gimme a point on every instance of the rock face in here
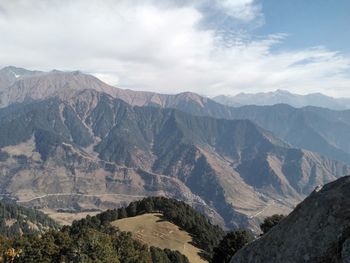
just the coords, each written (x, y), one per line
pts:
(89, 150)
(318, 230)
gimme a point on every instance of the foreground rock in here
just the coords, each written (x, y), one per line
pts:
(318, 230)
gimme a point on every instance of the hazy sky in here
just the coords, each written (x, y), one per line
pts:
(206, 46)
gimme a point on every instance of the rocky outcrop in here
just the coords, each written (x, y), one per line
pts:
(318, 230)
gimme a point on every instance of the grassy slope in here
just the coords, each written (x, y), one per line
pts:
(65, 218)
(154, 231)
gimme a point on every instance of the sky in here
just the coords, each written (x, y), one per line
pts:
(210, 47)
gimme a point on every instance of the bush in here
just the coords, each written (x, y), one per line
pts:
(270, 222)
(230, 244)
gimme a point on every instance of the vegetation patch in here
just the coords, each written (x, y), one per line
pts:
(154, 230)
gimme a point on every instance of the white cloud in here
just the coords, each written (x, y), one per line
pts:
(245, 10)
(163, 46)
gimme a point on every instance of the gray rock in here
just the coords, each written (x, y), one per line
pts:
(311, 233)
(345, 253)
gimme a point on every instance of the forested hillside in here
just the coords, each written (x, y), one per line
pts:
(94, 239)
(205, 235)
(17, 220)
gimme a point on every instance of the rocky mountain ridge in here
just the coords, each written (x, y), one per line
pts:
(315, 129)
(92, 151)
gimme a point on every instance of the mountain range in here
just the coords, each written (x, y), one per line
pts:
(70, 141)
(316, 129)
(284, 97)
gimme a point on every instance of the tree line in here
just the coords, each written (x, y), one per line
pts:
(94, 239)
(16, 220)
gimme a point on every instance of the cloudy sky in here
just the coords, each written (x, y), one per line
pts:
(207, 46)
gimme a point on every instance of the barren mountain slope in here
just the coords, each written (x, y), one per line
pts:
(92, 151)
(315, 129)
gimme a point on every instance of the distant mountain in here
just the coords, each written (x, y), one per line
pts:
(10, 75)
(318, 230)
(17, 220)
(93, 151)
(41, 85)
(285, 97)
(315, 129)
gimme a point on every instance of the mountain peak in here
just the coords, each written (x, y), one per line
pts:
(11, 68)
(10, 74)
(17, 71)
(19, 84)
(73, 72)
(281, 91)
